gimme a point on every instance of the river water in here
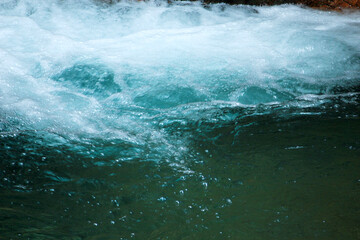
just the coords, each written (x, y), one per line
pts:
(178, 121)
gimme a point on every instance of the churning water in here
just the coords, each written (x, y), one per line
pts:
(151, 120)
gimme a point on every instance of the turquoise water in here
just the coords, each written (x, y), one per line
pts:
(178, 121)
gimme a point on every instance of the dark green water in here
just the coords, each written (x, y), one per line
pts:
(287, 178)
(158, 121)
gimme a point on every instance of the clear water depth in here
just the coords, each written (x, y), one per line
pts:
(150, 120)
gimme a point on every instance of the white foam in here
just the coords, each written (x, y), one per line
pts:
(217, 52)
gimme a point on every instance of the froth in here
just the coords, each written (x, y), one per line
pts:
(104, 69)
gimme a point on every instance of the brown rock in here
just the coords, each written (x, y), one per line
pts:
(337, 4)
(319, 4)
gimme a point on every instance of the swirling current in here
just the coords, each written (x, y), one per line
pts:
(178, 120)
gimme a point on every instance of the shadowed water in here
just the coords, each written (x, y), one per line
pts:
(178, 121)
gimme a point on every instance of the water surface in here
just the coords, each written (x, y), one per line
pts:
(178, 121)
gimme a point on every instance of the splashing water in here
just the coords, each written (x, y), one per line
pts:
(175, 111)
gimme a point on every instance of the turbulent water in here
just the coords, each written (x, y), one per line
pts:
(151, 120)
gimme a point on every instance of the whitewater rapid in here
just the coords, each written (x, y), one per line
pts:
(136, 72)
